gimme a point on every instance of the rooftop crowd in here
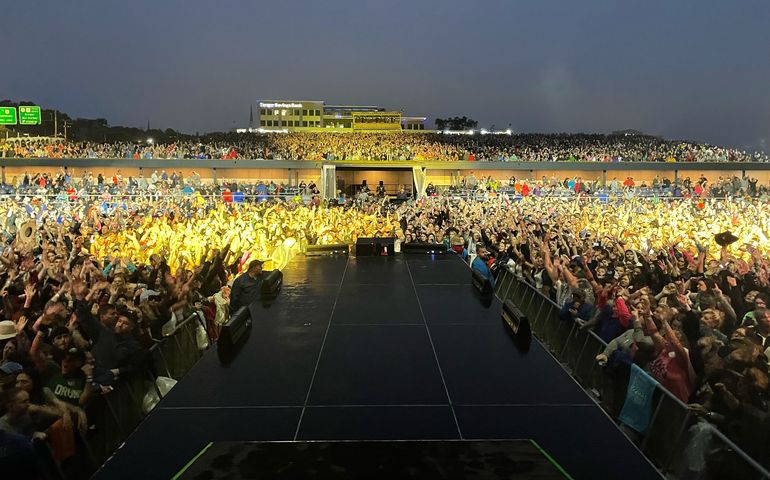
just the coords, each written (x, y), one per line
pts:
(88, 283)
(396, 146)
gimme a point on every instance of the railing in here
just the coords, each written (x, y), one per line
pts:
(444, 191)
(602, 195)
(119, 412)
(677, 441)
(146, 195)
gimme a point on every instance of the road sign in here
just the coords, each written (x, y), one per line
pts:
(29, 115)
(7, 115)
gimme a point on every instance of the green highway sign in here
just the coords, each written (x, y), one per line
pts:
(7, 115)
(29, 115)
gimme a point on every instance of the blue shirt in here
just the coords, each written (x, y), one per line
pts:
(480, 265)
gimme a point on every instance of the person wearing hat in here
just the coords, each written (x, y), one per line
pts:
(7, 331)
(247, 287)
(7, 341)
(59, 337)
(71, 382)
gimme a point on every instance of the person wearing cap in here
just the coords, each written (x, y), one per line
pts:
(247, 287)
(60, 339)
(114, 348)
(11, 368)
(71, 382)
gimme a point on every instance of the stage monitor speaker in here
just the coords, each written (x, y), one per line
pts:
(481, 283)
(434, 248)
(272, 283)
(518, 325)
(233, 334)
(377, 246)
(318, 250)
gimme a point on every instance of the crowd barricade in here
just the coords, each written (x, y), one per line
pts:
(676, 441)
(116, 414)
(147, 195)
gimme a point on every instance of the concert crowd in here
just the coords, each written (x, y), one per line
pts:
(395, 146)
(678, 287)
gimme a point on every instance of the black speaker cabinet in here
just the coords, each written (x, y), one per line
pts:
(482, 284)
(431, 248)
(518, 325)
(233, 334)
(272, 283)
(318, 250)
(378, 246)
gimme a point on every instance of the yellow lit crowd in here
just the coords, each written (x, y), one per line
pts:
(277, 232)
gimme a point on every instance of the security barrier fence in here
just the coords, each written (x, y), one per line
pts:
(677, 441)
(116, 414)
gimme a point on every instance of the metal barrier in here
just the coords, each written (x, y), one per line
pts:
(677, 441)
(119, 412)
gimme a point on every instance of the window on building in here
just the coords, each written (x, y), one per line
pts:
(262, 123)
(304, 112)
(262, 111)
(317, 113)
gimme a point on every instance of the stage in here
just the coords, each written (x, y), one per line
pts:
(380, 348)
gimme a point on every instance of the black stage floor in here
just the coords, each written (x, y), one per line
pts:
(374, 460)
(379, 348)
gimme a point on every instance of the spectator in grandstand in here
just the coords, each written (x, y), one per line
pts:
(398, 146)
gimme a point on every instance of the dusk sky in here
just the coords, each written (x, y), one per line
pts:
(696, 70)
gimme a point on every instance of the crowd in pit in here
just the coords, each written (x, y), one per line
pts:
(679, 287)
(357, 146)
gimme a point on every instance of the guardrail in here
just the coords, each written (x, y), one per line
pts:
(444, 191)
(677, 441)
(146, 195)
(119, 412)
